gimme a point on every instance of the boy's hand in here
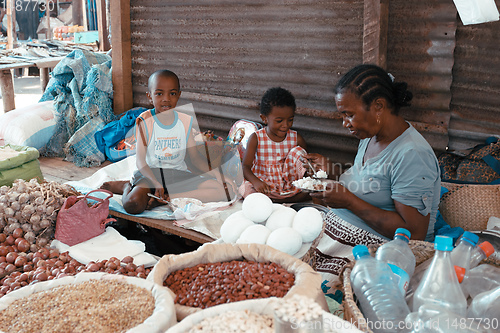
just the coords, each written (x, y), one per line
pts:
(262, 187)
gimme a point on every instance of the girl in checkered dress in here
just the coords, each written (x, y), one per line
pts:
(272, 159)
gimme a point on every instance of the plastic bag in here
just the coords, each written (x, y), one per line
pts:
(477, 11)
(78, 222)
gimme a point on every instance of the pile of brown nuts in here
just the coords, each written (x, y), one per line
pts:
(206, 285)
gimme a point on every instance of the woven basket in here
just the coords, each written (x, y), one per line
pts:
(470, 206)
(422, 251)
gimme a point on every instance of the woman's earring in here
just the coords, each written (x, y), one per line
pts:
(378, 119)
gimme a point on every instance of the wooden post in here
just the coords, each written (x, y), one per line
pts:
(47, 15)
(76, 7)
(375, 30)
(11, 24)
(122, 56)
(6, 87)
(102, 26)
(84, 11)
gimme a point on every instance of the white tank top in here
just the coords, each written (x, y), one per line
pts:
(167, 144)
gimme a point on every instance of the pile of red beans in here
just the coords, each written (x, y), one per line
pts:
(18, 269)
(206, 285)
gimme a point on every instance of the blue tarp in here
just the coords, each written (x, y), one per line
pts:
(81, 88)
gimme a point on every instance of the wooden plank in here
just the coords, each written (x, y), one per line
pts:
(375, 30)
(11, 26)
(16, 65)
(57, 169)
(167, 226)
(76, 7)
(122, 56)
(102, 26)
(7, 89)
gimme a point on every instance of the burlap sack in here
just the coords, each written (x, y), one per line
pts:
(307, 281)
(161, 319)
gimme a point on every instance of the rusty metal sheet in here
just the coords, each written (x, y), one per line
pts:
(421, 43)
(475, 103)
(228, 53)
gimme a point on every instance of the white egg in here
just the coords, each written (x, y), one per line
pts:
(257, 207)
(277, 206)
(256, 233)
(280, 218)
(287, 240)
(235, 215)
(308, 222)
(231, 229)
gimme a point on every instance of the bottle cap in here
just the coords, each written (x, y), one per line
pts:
(487, 248)
(443, 243)
(402, 233)
(460, 273)
(470, 238)
(360, 251)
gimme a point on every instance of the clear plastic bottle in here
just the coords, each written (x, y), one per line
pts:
(439, 286)
(480, 279)
(377, 291)
(486, 305)
(461, 254)
(481, 252)
(399, 256)
(429, 319)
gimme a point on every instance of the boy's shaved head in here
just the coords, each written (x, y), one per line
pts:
(163, 73)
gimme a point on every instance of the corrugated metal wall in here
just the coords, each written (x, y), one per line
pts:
(227, 53)
(475, 104)
(421, 41)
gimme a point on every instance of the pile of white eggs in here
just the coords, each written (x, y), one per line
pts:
(262, 222)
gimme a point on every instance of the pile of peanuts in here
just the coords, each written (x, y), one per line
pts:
(206, 285)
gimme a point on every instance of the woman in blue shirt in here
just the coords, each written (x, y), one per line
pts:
(394, 181)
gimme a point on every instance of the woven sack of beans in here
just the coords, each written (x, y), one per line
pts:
(83, 296)
(263, 316)
(306, 281)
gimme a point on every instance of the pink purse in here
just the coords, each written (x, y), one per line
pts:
(78, 222)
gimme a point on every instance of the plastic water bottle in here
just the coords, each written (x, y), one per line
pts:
(377, 291)
(439, 286)
(461, 254)
(486, 305)
(481, 252)
(399, 256)
(430, 319)
(480, 279)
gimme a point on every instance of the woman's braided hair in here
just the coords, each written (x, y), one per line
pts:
(370, 82)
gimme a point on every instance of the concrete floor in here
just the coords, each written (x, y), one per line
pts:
(27, 91)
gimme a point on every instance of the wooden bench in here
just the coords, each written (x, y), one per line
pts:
(7, 84)
(56, 169)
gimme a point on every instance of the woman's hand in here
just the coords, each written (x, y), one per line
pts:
(335, 195)
(319, 162)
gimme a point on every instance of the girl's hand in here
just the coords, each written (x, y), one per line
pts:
(262, 187)
(335, 195)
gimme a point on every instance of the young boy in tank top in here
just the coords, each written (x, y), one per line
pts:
(163, 136)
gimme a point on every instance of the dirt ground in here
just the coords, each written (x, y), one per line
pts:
(27, 91)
